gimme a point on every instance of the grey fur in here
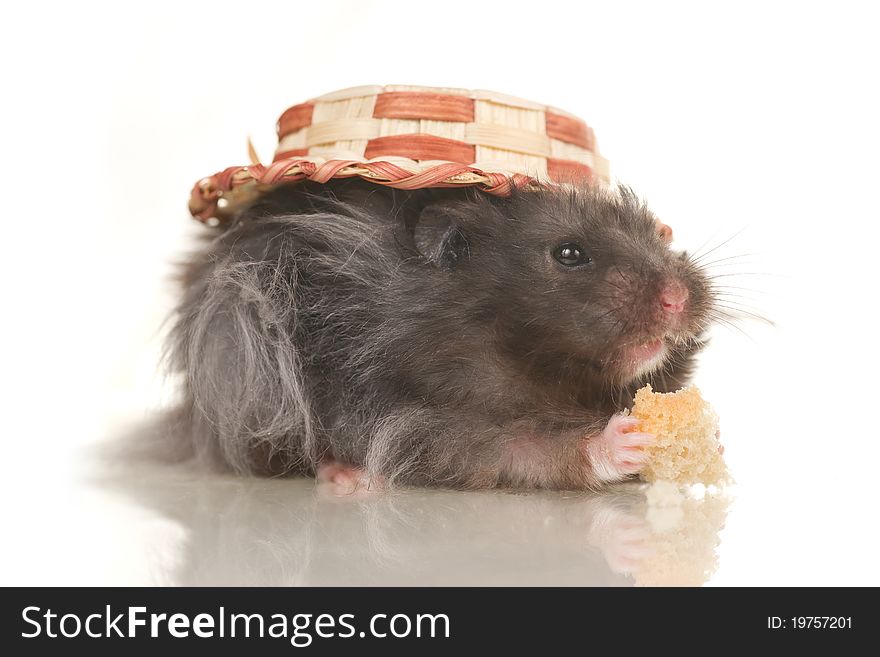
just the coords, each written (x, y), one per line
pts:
(325, 324)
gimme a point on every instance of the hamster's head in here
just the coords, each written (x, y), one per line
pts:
(571, 277)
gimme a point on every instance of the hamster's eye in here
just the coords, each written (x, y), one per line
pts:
(571, 255)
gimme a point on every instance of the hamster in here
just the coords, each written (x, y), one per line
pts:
(435, 337)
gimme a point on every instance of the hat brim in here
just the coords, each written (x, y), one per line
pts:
(216, 198)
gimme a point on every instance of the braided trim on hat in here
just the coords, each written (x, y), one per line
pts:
(214, 199)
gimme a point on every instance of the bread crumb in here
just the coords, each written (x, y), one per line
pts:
(687, 447)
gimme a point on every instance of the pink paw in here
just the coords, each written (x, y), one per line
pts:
(343, 479)
(617, 452)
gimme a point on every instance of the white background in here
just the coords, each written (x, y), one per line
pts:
(752, 120)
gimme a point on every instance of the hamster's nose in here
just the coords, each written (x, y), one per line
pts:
(673, 297)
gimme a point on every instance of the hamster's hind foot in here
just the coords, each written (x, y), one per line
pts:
(341, 479)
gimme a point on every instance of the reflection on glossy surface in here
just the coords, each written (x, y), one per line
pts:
(291, 532)
(683, 541)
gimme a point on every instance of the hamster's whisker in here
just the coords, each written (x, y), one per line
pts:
(711, 263)
(733, 312)
(724, 266)
(697, 256)
(739, 288)
(718, 294)
(742, 273)
(730, 323)
(734, 302)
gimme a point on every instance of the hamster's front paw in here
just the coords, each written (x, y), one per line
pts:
(617, 452)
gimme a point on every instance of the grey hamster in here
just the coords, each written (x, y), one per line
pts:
(434, 337)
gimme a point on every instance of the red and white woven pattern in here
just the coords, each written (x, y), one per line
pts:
(411, 138)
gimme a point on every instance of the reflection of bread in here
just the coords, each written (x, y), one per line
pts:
(686, 450)
(682, 547)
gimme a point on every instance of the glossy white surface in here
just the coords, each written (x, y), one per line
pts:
(755, 121)
(167, 526)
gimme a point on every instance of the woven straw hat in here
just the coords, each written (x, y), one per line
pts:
(411, 138)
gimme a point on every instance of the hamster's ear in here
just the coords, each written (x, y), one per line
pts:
(438, 236)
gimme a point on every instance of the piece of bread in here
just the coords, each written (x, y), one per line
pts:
(687, 447)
